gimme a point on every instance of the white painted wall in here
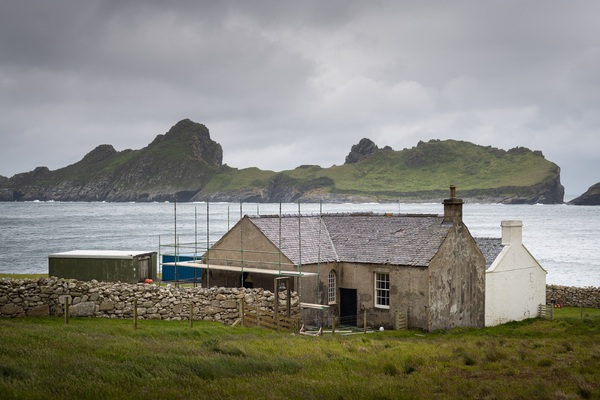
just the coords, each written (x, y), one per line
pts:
(515, 282)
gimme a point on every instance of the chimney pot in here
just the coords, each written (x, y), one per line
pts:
(452, 191)
(453, 207)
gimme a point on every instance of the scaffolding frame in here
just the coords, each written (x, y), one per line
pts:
(283, 269)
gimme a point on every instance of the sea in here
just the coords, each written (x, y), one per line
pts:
(564, 239)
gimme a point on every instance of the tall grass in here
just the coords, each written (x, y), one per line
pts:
(108, 359)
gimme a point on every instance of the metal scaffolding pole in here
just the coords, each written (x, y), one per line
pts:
(319, 249)
(279, 253)
(175, 239)
(299, 252)
(207, 243)
(241, 246)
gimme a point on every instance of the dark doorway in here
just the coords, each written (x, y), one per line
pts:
(348, 306)
(247, 280)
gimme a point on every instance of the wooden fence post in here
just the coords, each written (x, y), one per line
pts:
(134, 314)
(257, 314)
(191, 314)
(276, 306)
(66, 310)
(241, 310)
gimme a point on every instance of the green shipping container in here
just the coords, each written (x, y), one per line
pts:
(103, 265)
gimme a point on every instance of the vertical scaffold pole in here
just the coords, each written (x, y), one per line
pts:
(159, 258)
(207, 243)
(241, 246)
(299, 252)
(195, 244)
(319, 250)
(279, 255)
(175, 250)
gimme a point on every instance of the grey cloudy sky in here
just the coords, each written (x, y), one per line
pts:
(281, 84)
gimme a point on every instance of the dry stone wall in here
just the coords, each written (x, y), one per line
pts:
(569, 296)
(45, 297)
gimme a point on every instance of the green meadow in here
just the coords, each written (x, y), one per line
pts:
(43, 358)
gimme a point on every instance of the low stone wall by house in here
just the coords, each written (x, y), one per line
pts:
(44, 297)
(569, 296)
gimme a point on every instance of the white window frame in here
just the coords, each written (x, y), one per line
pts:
(382, 289)
(332, 287)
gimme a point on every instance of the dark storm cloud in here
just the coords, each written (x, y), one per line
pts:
(280, 84)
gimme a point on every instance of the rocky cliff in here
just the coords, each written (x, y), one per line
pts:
(185, 164)
(174, 166)
(590, 198)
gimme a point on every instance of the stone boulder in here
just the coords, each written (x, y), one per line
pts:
(83, 309)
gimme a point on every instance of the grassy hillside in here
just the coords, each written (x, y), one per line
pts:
(43, 358)
(432, 165)
(422, 172)
(234, 179)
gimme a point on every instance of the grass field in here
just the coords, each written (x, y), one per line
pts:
(107, 359)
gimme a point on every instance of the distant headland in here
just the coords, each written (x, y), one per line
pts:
(185, 164)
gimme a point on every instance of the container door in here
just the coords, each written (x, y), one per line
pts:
(143, 266)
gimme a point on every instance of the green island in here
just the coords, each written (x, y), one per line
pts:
(185, 164)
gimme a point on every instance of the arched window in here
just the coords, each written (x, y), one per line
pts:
(331, 288)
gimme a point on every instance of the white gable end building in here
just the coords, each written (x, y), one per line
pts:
(515, 282)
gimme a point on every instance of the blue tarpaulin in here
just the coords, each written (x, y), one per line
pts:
(180, 273)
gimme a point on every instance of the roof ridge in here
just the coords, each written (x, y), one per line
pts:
(345, 214)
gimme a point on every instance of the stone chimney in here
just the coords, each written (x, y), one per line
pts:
(453, 207)
(512, 232)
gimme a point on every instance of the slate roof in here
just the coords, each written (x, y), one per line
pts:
(491, 248)
(397, 239)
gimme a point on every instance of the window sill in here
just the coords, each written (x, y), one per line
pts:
(382, 307)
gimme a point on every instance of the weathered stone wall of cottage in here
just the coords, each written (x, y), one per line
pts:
(44, 297)
(569, 296)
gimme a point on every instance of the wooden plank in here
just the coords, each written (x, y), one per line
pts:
(268, 320)
(401, 322)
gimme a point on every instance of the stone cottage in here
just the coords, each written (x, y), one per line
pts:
(427, 267)
(515, 282)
